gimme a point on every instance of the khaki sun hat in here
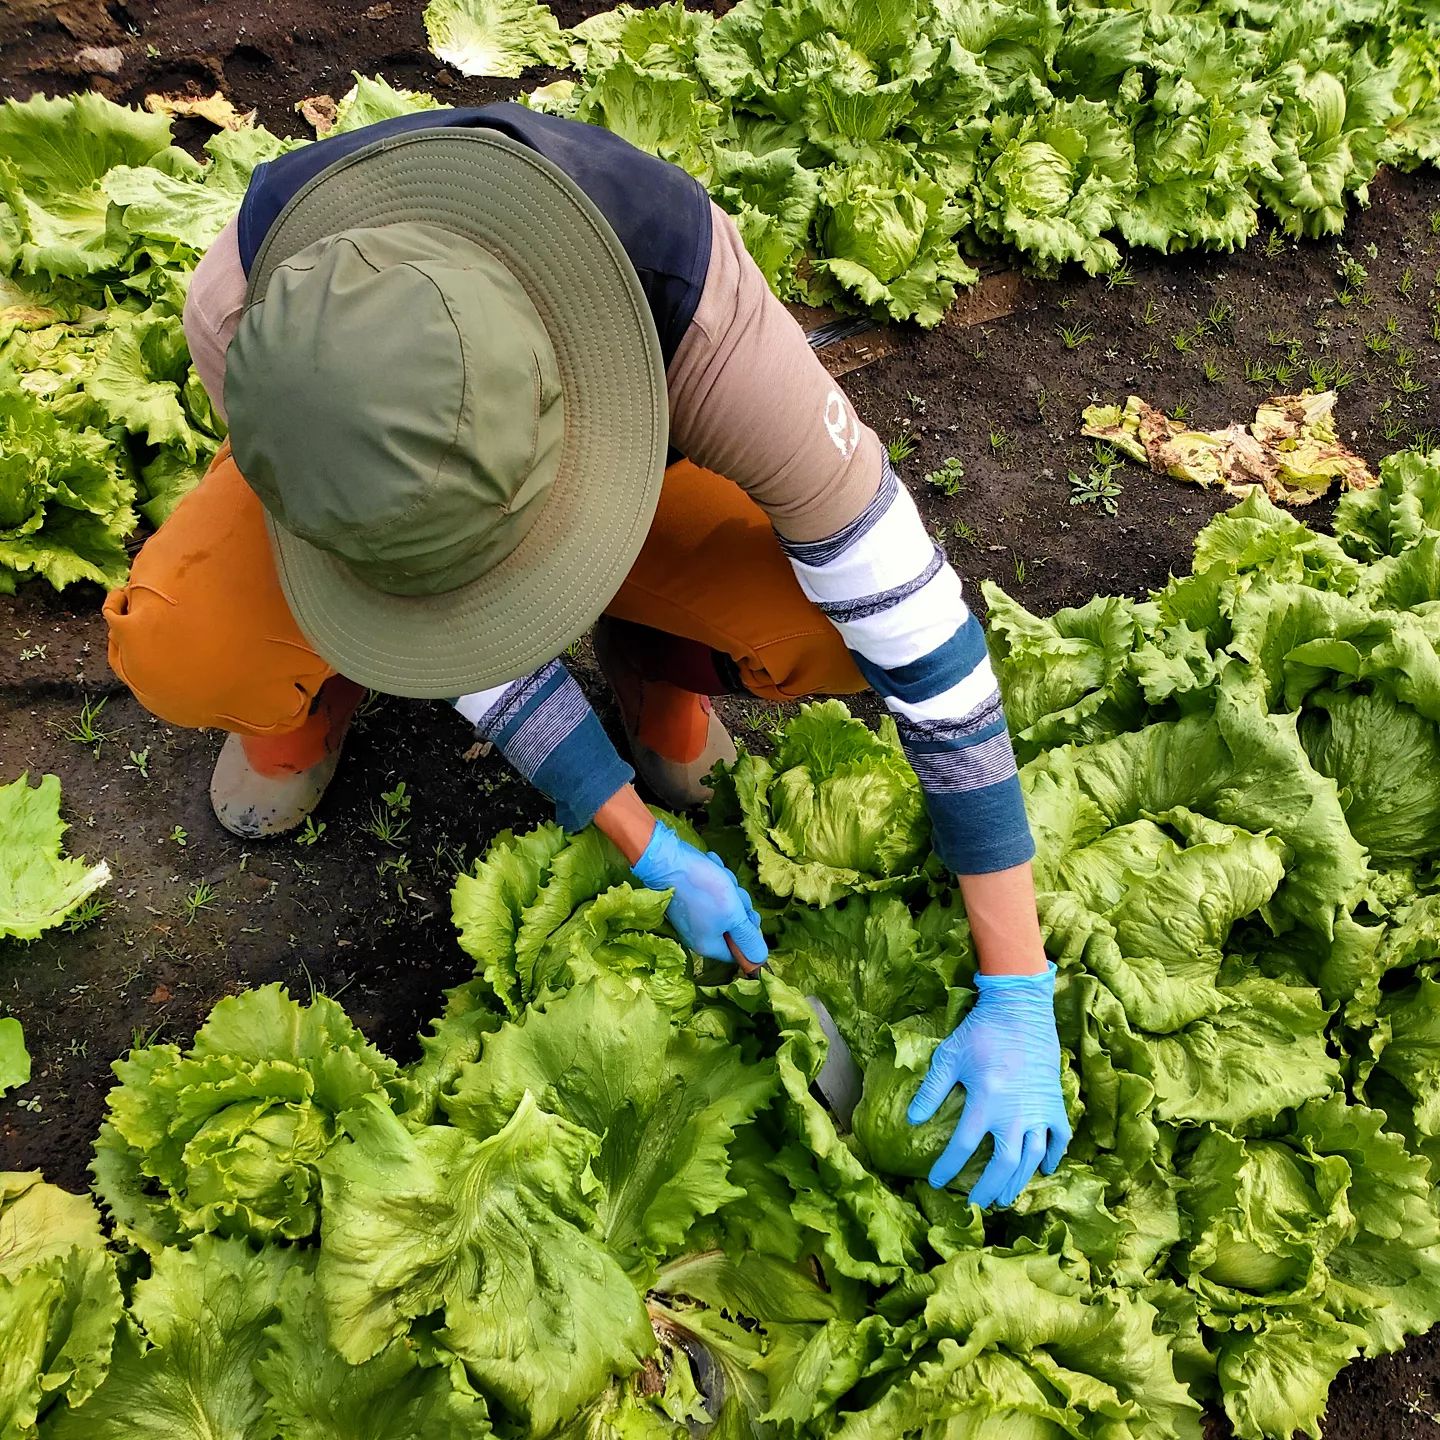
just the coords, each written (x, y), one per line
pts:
(448, 392)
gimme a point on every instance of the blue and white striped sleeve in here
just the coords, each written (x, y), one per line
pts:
(545, 727)
(897, 603)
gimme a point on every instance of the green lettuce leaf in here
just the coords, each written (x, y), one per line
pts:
(493, 37)
(1058, 180)
(38, 886)
(184, 1361)
(229, 1135)
(54, 154)
(1386, 760)
(1276, 1378)
(59, 1301)
(501, 1235)
(313, 1393)
(837, 811)
(14, 1057)
(664, 1101)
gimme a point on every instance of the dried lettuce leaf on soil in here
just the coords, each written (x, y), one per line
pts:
(1290, 450)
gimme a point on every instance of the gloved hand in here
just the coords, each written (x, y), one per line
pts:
(1007, 1056)
(708, 902)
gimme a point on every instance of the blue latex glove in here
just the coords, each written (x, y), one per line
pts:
(1006, 1054)
(708, 902)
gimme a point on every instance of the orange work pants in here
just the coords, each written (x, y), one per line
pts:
(203, 637)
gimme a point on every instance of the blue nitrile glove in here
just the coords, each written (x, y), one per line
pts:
(708, 902)
(1006, 1054)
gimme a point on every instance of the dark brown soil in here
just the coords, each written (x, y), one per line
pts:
(193, 914)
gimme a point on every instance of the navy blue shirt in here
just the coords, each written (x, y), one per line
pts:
(660, 214)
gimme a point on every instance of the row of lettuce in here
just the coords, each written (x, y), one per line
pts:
(870, 154)
(606, 1201)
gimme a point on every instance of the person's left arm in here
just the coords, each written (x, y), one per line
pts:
(751, 400)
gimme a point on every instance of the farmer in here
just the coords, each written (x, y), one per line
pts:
(492, 377)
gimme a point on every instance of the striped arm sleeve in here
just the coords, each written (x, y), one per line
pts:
(889, 590)
(544, 726)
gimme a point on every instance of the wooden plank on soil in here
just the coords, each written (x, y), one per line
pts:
(848, 342)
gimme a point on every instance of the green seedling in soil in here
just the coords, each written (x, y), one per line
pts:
(1042, 399)
(1120, 275)
(396, 800)
(1391, 326)
(140, 760)
(200, 898)
(84, 730)
(998, 441)
(370, 704)
(1425, 440)
(1284, 372)
(152, 52)
(180, 835)
(1153, 353)
(917, 402)
(1406, 283)
(1019, 561)
(901, 448)
(34, 652)
(1392, 427)
(1407, 384)
(1404, 357)
(1351, 271)
(949, 478)
(1183, 340)
(1278, 339)
(1150, 314)
(1435, 222)
(32, 1105)
(1332, 374)
(1213, 371)
(1273, 244)
(1377, 343)
(1181, 410)
(141, 1039)
(1218, 317)
(1096, 488)
(1346, 298)
(1435, 327)
(387, 826)
(311, 833)
(87, 912)
(1074, 336)
(965, 531)
(1257, 372)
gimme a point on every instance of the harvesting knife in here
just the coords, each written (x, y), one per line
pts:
(839, 1079)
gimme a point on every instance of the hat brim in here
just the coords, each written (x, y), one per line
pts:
(551, 588)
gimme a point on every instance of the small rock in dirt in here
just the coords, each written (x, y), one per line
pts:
(382, 11)
(100, 60)
(160, 995)
(445, 78)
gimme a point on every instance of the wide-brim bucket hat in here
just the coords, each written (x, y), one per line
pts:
(448, 391)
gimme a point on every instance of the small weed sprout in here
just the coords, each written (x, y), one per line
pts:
(1273, 243)
(1257, 372)
(1405, 285)
(916, 402)
(200, 898)
(180, 836)
(140, 760)
(84, 729)
(949, 478)
(1407, 384)
(89, 910)
(964, 530)
(1150, 314)
(1377, 342)
(1074, 336)
(312, 832)
(1122, 274)
(900, 448)
(1213, 372)
(1183, 340)
(998, 441)
(1181, 410)
(1218, 317)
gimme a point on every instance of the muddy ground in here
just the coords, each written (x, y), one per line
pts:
(192, 914)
